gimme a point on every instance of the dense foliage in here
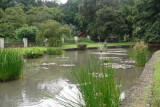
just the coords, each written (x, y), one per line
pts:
(135, 19)
(27, 32)
(147, 20)
(52, 32)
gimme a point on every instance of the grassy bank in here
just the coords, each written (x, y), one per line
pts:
(74, 45)
(155, 100)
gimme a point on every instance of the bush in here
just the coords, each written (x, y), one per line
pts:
(11, 65)
(141, 52)
(54, 42)
(54, 51)
(33, 53)
(82, 46)
(84, 40)
(27, 32)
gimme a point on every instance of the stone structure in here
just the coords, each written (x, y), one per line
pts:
(25, 41)
(1, 42)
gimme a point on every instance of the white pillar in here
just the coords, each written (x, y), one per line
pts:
(76, 39)
(89, 37)
(25, 41)
(63, 40)
(1, 42)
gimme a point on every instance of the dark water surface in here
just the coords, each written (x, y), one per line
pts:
(46, 76)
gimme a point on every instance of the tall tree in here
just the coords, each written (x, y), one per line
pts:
(147, 20)
(13, 19)
(38, 15)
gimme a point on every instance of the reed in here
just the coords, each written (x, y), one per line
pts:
(11, 65)
(54, 51)
(141, 53)
(97, 86)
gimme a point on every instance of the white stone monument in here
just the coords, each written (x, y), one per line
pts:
(89, 37)
(25, 41)
(1, 42)
(76, 39)
(62, 39)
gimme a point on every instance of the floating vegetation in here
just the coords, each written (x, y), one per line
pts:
(54, 51)
(67, 65)
(119, 66)
(48, 64)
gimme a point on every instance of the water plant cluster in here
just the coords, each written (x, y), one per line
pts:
(81, 46)
(54, 51)
(11, 64)
(141, 53)
(33, 53)
(97, 85)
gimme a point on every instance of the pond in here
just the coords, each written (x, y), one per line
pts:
(45, 77)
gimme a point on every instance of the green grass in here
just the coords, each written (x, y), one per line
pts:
(11, 64)
(155, 100)
(97, 86)
(65, 46)
(74, 45)
(54, 51)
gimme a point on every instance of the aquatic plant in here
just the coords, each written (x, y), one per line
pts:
(11, 64)
(97, 86)
(54, 51)
(81, 46)
(106, 60)
(33, 53)
(141, 52)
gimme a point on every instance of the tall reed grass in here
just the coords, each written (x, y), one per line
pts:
(96, 84)
(141, 53)
(11, 64)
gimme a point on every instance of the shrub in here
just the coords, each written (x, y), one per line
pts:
(141, 52)
(34, 53)
(27, 32)
(84, 40)
(54, 51)
(52, 31)
(11, 65)
(54, 42)
(97, 86)
(82, 46)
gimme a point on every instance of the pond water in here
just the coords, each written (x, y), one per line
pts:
(45, 77)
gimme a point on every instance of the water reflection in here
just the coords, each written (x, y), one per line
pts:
(45, 77)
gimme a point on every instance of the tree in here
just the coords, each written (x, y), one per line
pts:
(13, 19)
(27, 32)
(37, 15)
(147, 20)
(110, 22)
(1, 13)
(126, 6)
(51, 31)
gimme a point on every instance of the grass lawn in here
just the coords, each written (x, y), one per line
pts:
(155, 101)
(74, 45)
(65, 46)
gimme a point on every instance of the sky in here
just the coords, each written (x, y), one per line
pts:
(62, 1)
